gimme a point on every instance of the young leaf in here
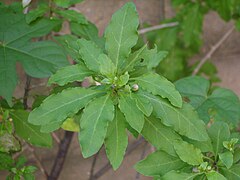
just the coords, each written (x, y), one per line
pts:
(213, 175)
(183, 120)
(143, 104)
(93, 124)
(107, 67)
(158, 85)
(133, 115)
(29, 132)
(159, 163)
(90, 53)
(36, 13)
(160, 136)
(58, 107)
(179, 175)
(70, 74)
(121, 34)
(116, 139)
(226, 158)
(188, 153)
(218, 133)
(72, 16)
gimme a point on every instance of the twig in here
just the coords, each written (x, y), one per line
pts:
(26, 92)
(212, 50)
(93, 166)
(141, 157)
(55, 137)
(60, 158)
(107, 166)
(16, 155)
(42, 169)
(157, 27)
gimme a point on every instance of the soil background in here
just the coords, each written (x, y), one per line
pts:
(226, 59)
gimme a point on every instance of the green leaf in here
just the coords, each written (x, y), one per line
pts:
(9, 143)
(194, 89)
(226, 158)
(133, 115)
(107, 67)
(29, 132)
(72, 16)
(90, 53)
(66, 3)
(121, 34)
(179, 175)
(143, 104)
(218, 133)
(188, 153)
(116, 140)
(160, 136)
(36, 13)
(159, 163)
(39, 59)
(69, 74)
(93, 125)
(57, 107)
(233, 173)
(236, 155)
(6, 161)
(204, 146)
(215, 176)
(158, 85)
(71, 125)
(183, 120)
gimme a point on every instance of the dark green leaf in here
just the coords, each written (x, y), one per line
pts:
(66, 3)
(6, 161)
(72, 16)
(36, 13)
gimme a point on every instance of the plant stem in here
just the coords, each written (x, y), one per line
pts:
(26, 92)
(212, 50)
(60, 158)
(93, 166)
(157, 27)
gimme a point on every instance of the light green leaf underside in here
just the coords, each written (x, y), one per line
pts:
(93, 124)
(158, 85)
(70, 74)
(133, 115)
(183, 120)
(116, 140)
(159, 163)
(58, 107)
(121, 34)
(188, 153)
(160, 136)
(90, 52)
(29, 132)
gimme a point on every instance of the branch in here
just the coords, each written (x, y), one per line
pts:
(26, 92)
(108, 166)
(93, 166)
(60, 158)
(212, 50)
(161, 26)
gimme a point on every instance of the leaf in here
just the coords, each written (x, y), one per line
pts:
(215, 176)
(90, 53)
(158, 85)
(143, 104)
(233, 173)
(183, 120)
(116, 139)
(9, 143)
(36, 13)
(236, 155)
(160, 136)
(72, 16)
(194, 88)
(204, 146)
(29, 132)
(158, 163)
(188, 153)
(6, 162)
(133, 115)
(121, 34)
(71, 125)
(93, 124)
(226, 158)
(69, 74)
(218, 133)
(179, 175)
(57, 107)
(107, 67)
(39, 59)
(66, 3)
